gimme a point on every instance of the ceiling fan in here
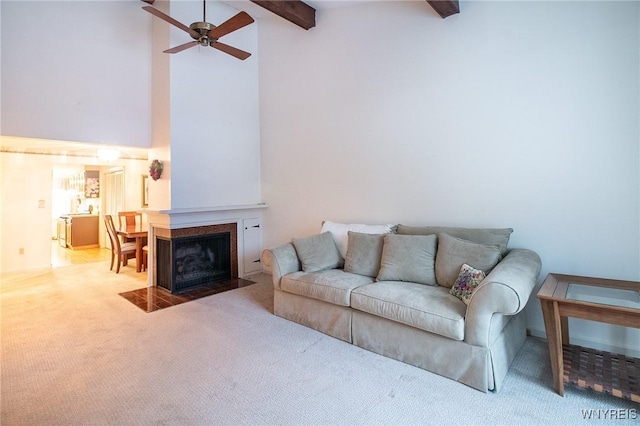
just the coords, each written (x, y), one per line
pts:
(206, 34)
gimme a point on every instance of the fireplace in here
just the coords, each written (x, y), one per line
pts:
(196, 256)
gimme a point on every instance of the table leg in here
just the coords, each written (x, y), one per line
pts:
(564, 328)
(138, 254)
(553, 327)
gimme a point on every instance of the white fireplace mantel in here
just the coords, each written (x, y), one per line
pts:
(210, 209)
(192, 216)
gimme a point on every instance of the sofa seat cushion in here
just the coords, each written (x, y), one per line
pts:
(425, 307)
(333, 285)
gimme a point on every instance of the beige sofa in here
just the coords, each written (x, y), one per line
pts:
(390, 292)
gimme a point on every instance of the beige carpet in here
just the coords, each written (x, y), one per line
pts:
(76, 353)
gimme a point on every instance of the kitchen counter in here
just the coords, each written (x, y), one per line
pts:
(81, 230)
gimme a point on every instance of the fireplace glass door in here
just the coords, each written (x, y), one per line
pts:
(183, 263)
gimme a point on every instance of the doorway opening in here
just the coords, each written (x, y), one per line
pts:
(81, 195)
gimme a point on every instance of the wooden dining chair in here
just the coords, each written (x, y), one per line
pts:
(119, 251)
(128, 219)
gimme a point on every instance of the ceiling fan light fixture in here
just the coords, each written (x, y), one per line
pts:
(202, 28)
(206, 34)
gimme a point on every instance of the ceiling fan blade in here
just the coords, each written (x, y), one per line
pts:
(236, 22)
(172, 21)
(181, 47)
(240, 54)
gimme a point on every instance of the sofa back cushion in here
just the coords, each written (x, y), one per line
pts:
(454, 252)
(317, 252)
(408, 258)
(488, 236)
(364, 252)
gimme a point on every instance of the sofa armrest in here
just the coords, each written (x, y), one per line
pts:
(505, 290)
(280, 261)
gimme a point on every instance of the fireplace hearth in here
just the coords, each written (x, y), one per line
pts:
(191, 257)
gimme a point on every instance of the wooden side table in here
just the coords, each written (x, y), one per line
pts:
(564, 296)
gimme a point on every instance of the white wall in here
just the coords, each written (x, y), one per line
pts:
(160, 190)
(214, 115)
(76, 71)
(25, 225)
(516, 114)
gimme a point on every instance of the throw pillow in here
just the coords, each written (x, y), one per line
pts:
(466, 283)
(408, 258)
(340, 232)
(488, 236)
(317, 252)
(363, 253)
(454, 252)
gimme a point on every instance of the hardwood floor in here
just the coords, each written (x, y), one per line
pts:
(148, 299)
(65, 257)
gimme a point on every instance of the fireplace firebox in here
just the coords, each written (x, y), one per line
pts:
(191, 257)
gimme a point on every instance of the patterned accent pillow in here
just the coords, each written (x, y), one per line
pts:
(468, 280)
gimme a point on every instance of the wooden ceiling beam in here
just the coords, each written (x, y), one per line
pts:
(295, 11)
(304, 16)
(445, 8)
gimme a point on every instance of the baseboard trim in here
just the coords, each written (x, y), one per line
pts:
(590, 343)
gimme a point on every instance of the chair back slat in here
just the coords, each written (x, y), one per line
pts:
(129, 218)
(111, 230)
